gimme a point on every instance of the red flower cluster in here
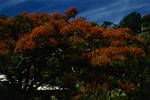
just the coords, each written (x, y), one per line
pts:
(108, 55)
(25, 43)
(42, 31)
(72, 12)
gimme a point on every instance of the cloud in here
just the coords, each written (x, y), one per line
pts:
(100, 9)
(114, 11)
(93, 10)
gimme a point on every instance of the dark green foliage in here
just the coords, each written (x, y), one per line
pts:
(132, 21)
(21, 24)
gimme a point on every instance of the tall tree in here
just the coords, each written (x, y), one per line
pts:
(91, 61)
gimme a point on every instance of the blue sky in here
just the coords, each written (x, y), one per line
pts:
(93, 10)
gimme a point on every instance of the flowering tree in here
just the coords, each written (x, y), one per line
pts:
(77, 55)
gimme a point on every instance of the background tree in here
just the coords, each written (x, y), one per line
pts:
(132, 21)
(145, 26)
(108, 24)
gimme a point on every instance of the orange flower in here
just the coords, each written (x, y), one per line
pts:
(106, 85)
(108, 55)
(71, 12)
(42, 31)
(56, 16)
(118, 58)
(75, 40)
(87, 55)
(137, 52)
(68, 29)
(81, 25)
(4, 46)
(97, 29)
(132, 86)
(52, 41)
(39, 19)
(94, 31)
(127, 86)
(100, 60)
(25, 43)
(117, 43)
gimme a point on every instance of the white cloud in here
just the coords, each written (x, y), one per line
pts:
(113, 9)
(105, 8)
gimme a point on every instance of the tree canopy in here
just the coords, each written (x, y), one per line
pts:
(90, 61)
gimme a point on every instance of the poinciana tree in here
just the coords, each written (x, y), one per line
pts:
(74, 54)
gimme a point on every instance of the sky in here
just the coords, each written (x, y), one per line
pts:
(92, 10)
